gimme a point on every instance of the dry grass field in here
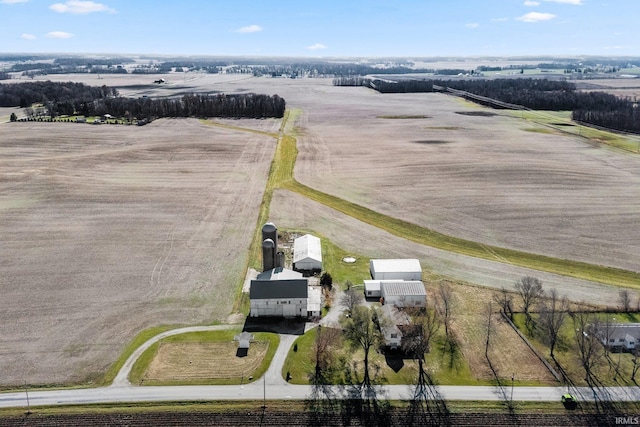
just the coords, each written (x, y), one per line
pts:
(107, 230)
(200, 361)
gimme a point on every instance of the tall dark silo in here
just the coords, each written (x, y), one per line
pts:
(270, 231)
(280, 259)
(268, 255)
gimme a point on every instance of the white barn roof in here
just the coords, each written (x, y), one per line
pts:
(395, 265)
(307, 247)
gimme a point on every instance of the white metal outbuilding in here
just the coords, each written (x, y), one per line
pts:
(395, 269)
(404, 293)
(307, 253)
(372, 289)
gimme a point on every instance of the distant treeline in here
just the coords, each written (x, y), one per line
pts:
(195, 105)
(72, 65)
(25, 94)
(598, 108)
(77, 98)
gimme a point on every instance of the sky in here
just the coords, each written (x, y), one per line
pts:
(323, 28)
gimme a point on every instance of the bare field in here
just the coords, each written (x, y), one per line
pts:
(107, 230)
(201, 361)
(484, 178)
(479, 175)
(290, 210)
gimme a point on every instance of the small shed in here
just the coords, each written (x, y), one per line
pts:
(307, 253)
(314, 302)
(372, 289)
(243, 339)
(395, 269)
(403, 293)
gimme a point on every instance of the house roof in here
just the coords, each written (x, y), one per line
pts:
(402, 287)
(395, 265)
(619, 331)
(307, 246)
(274, 289)
(395, 316)
(279, 273)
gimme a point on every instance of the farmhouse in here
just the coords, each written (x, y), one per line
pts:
(403, 293)
(393, 326)
(620, 336)
(395, 269)
(307, 254)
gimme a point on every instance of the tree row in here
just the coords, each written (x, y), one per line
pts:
(598, 108)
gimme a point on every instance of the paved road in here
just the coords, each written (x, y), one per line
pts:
(259, 390)
(273, 387)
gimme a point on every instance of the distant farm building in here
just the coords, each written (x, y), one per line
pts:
(307, 254)
(395, 269)
(403, 293)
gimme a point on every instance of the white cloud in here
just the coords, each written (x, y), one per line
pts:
(78, 7)
(59, 35)
(13, 1)
(317, 46)
(499, 19)
(531, 3)
(26, 36)
(574, 2)
(536, 17)
(249, 29)
(472, 25)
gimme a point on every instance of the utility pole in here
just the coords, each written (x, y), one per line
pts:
(264, 391)
(512, 378)
(26, 390)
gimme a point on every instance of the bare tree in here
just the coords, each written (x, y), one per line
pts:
(361, 331)
(504, 299)
(552, 317)
(326, 340)
(624, 296)
(416, 340)
(351, 298)
(589, 348)
(636, 366)
(427, 406)
(530, 290)
(445, 306)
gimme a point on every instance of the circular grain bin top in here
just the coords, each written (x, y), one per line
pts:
(269, 227)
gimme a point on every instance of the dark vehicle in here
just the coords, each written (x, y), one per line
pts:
(569, 401)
